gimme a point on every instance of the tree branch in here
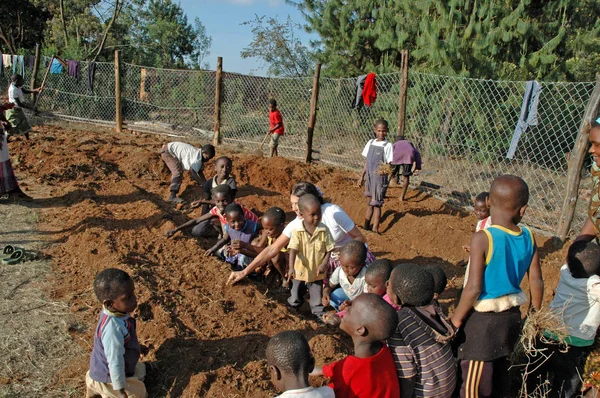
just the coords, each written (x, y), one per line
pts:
(62, 21)
(115, 15)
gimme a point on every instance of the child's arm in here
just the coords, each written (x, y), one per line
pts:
(471, 292)
(113, 342)
(198, 176)
(261, 244)
(220, 243)
(536, 283)
(327, 294)
(324, 266)
(362, 176)
(34, 91)
(244, 248)
(291, 272)
(189, 224)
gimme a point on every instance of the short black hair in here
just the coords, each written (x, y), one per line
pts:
(482, 197)
(399, 137)
(356, 250)
(380, 318)
(234, 208)
(110, 282)
(209, 150)
(302, 188)
(272, 102)
(14, 78)
(289, 351)
(413, 285)
(224, 189)
(276, 214)
(583, 259)
(381, 121)
(306, 200)
(509, 192)
(380, 269)
(439, 278)
(223, 158)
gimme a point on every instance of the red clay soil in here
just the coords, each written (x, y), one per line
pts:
(101, 197)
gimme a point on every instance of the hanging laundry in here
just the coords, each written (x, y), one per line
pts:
(73, 68)
(357, 102)
(91, 74)
(30, 62)
(529, 114)
(19, 65)
(56, 67)
(369, 93)
(7, 60)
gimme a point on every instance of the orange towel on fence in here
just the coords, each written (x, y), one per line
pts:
(369, 93)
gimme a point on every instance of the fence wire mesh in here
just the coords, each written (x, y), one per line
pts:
(463, 127)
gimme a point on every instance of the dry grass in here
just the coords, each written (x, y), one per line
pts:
(384, 169)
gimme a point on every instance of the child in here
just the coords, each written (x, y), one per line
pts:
(223, 166)
(276, 130)
(115, 370)
(577, 303)
(179, 156)
(202, 225)
(350, 277)
(273, 223)
(482, 212)
(377, 152)
(488, 310)
(9, 187)
(290, 363)
(421, 343)
(405, 158)
(310, 246)
(370, 372)
(439, 280)
(15, 115)
(240, 231)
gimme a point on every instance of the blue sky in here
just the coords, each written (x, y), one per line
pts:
(223, 19)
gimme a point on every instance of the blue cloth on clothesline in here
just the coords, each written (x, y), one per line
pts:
(56, 67)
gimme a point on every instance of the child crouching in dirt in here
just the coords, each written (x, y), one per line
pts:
(240, 233)
(223, 167)
(273, 223)
(378, 152)
(347, 281)
(115, 370)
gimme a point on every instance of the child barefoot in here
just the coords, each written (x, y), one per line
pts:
(290, 363)
(310, 246)
(273, 223)
(347, 281)
(377, 152)
(276, 126)
(370, 372)
(240, 232)
(115, 370)
(482, 212)
(405, 158)
(223, 166)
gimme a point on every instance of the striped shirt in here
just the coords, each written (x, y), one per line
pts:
(421, 352)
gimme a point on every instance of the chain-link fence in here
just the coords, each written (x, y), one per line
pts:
(463, 127)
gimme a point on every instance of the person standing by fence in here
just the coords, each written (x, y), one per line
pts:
(406, 157)
(15, 115)
(9, 187)
(276, 123)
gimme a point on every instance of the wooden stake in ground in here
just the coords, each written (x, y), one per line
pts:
(578, 155)
(37, 98)
(403, 89)
(118, 107)
(313, 114)
(218, 88)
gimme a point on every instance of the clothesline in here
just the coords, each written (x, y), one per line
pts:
(17, 62)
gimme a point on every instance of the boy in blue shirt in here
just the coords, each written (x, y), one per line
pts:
(488, 313)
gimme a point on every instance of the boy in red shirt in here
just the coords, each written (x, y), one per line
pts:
(276, 122)
(371, 371)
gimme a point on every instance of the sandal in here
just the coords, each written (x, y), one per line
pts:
(15, 257)
(8, 250)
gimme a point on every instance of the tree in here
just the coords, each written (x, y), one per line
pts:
(22, 25)
(277, 45)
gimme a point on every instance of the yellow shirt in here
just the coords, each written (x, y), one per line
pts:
(311, 251)
(270, 242)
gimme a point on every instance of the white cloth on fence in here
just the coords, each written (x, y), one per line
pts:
(529, 114)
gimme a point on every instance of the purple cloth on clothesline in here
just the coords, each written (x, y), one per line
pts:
(31, 62)
(73, 69)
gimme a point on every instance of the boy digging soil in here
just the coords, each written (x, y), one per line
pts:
(16, 116)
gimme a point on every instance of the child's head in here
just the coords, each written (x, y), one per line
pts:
(289, 359)
(272, 104)
(222, 195)
(310, 209)
(115, 290)
(17, 80)
(369, 318)
(235, 216)
(223, 167)
(594, 139)
(381, 129)
(377, 275)
(353, 256)
(583, 259)
(412, 285)
(273, 222)
(439, 279)
(208, 152)
(509, 195)
(399, 137)
(481, 205)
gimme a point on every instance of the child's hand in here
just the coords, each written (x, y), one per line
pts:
(291, 275)
(326, 300)
(209, 252)
(345, 305)
(467, 248)
(323, 268)
(238, 245)
(170, 233)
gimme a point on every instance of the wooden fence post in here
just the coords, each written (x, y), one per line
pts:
(36, 64)
(38, 95)
(578, 155)
(218, 88)
(119, 109)
(313, 114)
(403, 88)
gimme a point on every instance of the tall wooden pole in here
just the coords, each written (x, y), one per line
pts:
(578, 155)
(37, 97)
(218, 89)
(118, 106)
(313, 114)
(34, 72)
(403, 88)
